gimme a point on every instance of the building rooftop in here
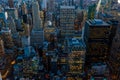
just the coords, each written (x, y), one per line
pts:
(6, 30)
(10, 9)
(76, 44)
(97, 22)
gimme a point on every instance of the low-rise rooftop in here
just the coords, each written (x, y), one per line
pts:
(97, 22)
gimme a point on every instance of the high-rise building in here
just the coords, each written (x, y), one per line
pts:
(11, 3)
(36, 16)
(1, 8)
(51, 5)
(115, 54)
(11, 25)
(37, 38)
(24, 8)
(7, 38)
(48, 31)
(91, 11)
(12, 12)
(79, 19)
(2, 20)
(76, 57)
(67, 17)
(1, 47)
(81, 4)
(96, 36)
(37, 34)
(44, 4)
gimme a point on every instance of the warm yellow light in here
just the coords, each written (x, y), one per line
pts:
(13, 62)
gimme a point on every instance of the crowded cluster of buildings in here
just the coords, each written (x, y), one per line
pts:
(59, 40)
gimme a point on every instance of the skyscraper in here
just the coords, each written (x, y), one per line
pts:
(51, 5)
(37, 34)
(115, 54)
(81, 4)
(67, 17)
(24, 8)
(11, 25)
(11, 3)
(1, 47)
(96, 37)
(91, 11)
(7, 38)
(76, 57)
(2, 20)
(12, 12)
(36, 16)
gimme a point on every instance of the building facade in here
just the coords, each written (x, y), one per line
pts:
(96, 36)
(37, 34)
(7, 38)
(36, 16)
(76, 57)
(1, 47)
(11, 3)
(67, 17)
(115, 54)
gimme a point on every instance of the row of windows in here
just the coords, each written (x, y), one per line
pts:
(67, 20)
(67, 15)
(75, 68)
(67, 25)
(67, 10)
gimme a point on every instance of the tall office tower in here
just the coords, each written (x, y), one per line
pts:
(37, 38)
(76, 57)
(114, 25)
(12, 12)
(36, 16)
(7, 38)
(91, 11)
(37, 34)
(26, 29)
(51, 5)
(24, 8)
(40, 4)
(115, 55)
(67, 17)
(1, 8)
(1, 47)
(11, 3)
(81, 4)
(48, 31)
(44, 4)
(29, 21)
(96, 36)
(2, 20)
(79, 19)
(11, 24)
